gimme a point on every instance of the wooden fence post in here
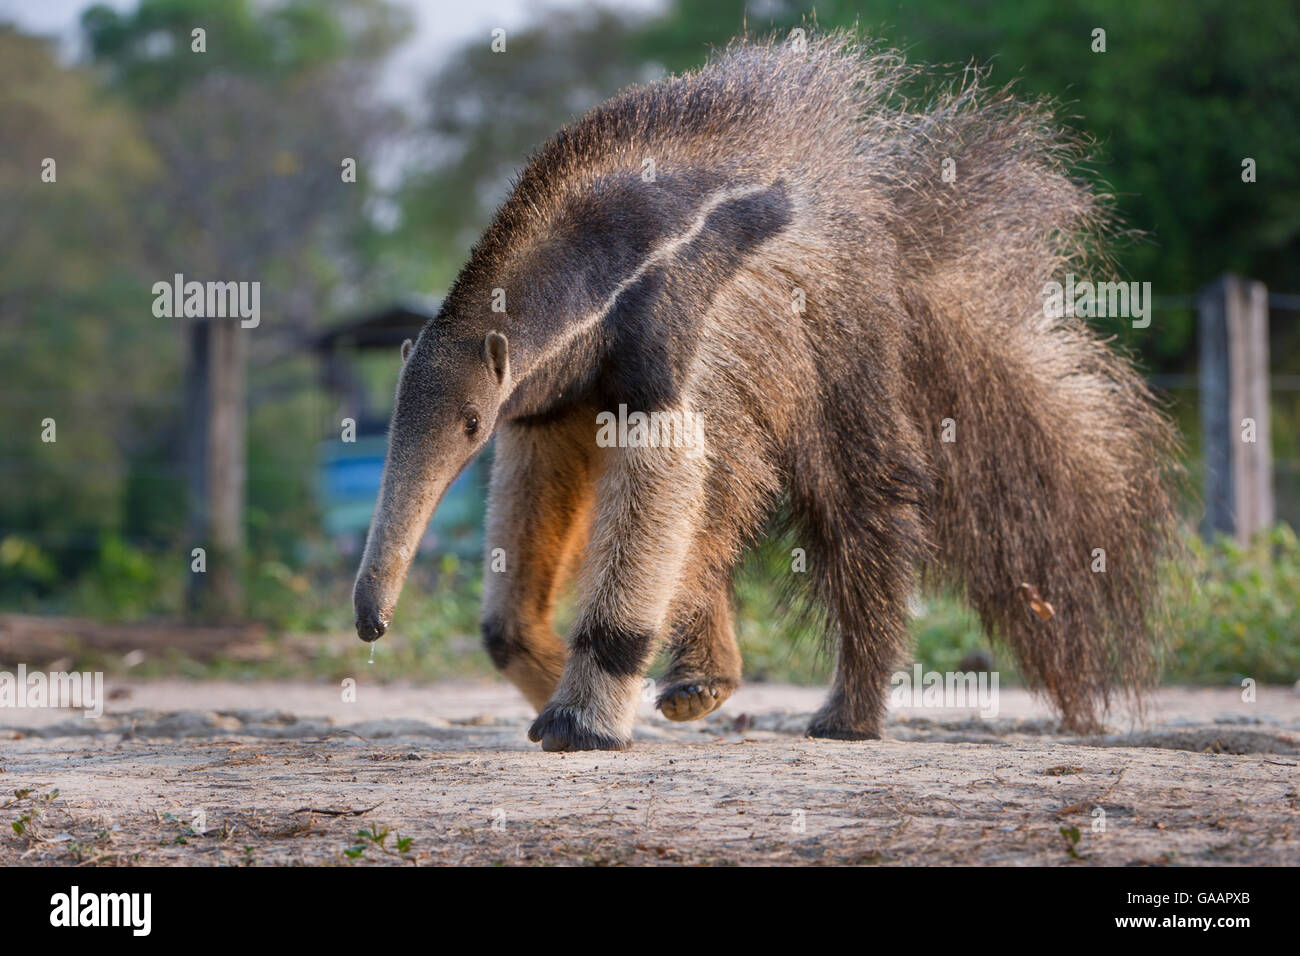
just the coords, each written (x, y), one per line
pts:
(1234, 392)
(217, 419)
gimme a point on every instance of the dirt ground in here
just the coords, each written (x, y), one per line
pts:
(278, 773)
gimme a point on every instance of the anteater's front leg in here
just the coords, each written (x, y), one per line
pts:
(706, 664)
(648, 505)
(538, 509)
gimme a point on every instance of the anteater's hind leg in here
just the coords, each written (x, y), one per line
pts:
(706, 665)
(872, 635)
(648, 507)
(539, 506)
(863, 522)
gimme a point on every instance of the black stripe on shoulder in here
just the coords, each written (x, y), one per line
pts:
(655, 323)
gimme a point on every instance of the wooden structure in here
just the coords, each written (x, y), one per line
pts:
(1234, 393)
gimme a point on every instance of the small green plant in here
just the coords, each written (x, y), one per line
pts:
(377, 838)
(1071, 835)
(29, 820)
(1234, 611)
(94, 850)
(374, 835)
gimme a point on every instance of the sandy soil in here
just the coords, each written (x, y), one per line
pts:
(274, 773)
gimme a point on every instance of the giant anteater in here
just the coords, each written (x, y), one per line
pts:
(769, 247)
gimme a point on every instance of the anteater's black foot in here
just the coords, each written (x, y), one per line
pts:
(561, 728)
(829, 728)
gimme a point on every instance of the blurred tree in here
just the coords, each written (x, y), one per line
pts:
(70, 316)
(225, 164)
(251, 136)
(487, 111)
(254, 111)
(150, 51)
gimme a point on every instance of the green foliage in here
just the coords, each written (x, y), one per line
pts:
(127, 582)
(221, 165)
(282, 517)
(24, 566)
(149, 50)
(776, 640)
(946, 632)
(1235, 611)
(72, 331)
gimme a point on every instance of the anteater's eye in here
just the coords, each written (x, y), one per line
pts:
(471, 425)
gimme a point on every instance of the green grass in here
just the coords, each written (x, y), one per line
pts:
(1236, 612)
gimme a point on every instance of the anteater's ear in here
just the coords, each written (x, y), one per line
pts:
(496, 355)
(406, 349)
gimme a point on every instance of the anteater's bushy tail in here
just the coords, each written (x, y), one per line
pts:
(1060, 470)
(1059, 476)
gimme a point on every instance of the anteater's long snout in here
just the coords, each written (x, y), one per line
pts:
(370, 627)
(404, 508)
(371, 619)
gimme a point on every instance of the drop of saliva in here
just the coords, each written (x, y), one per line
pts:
(372, 652)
